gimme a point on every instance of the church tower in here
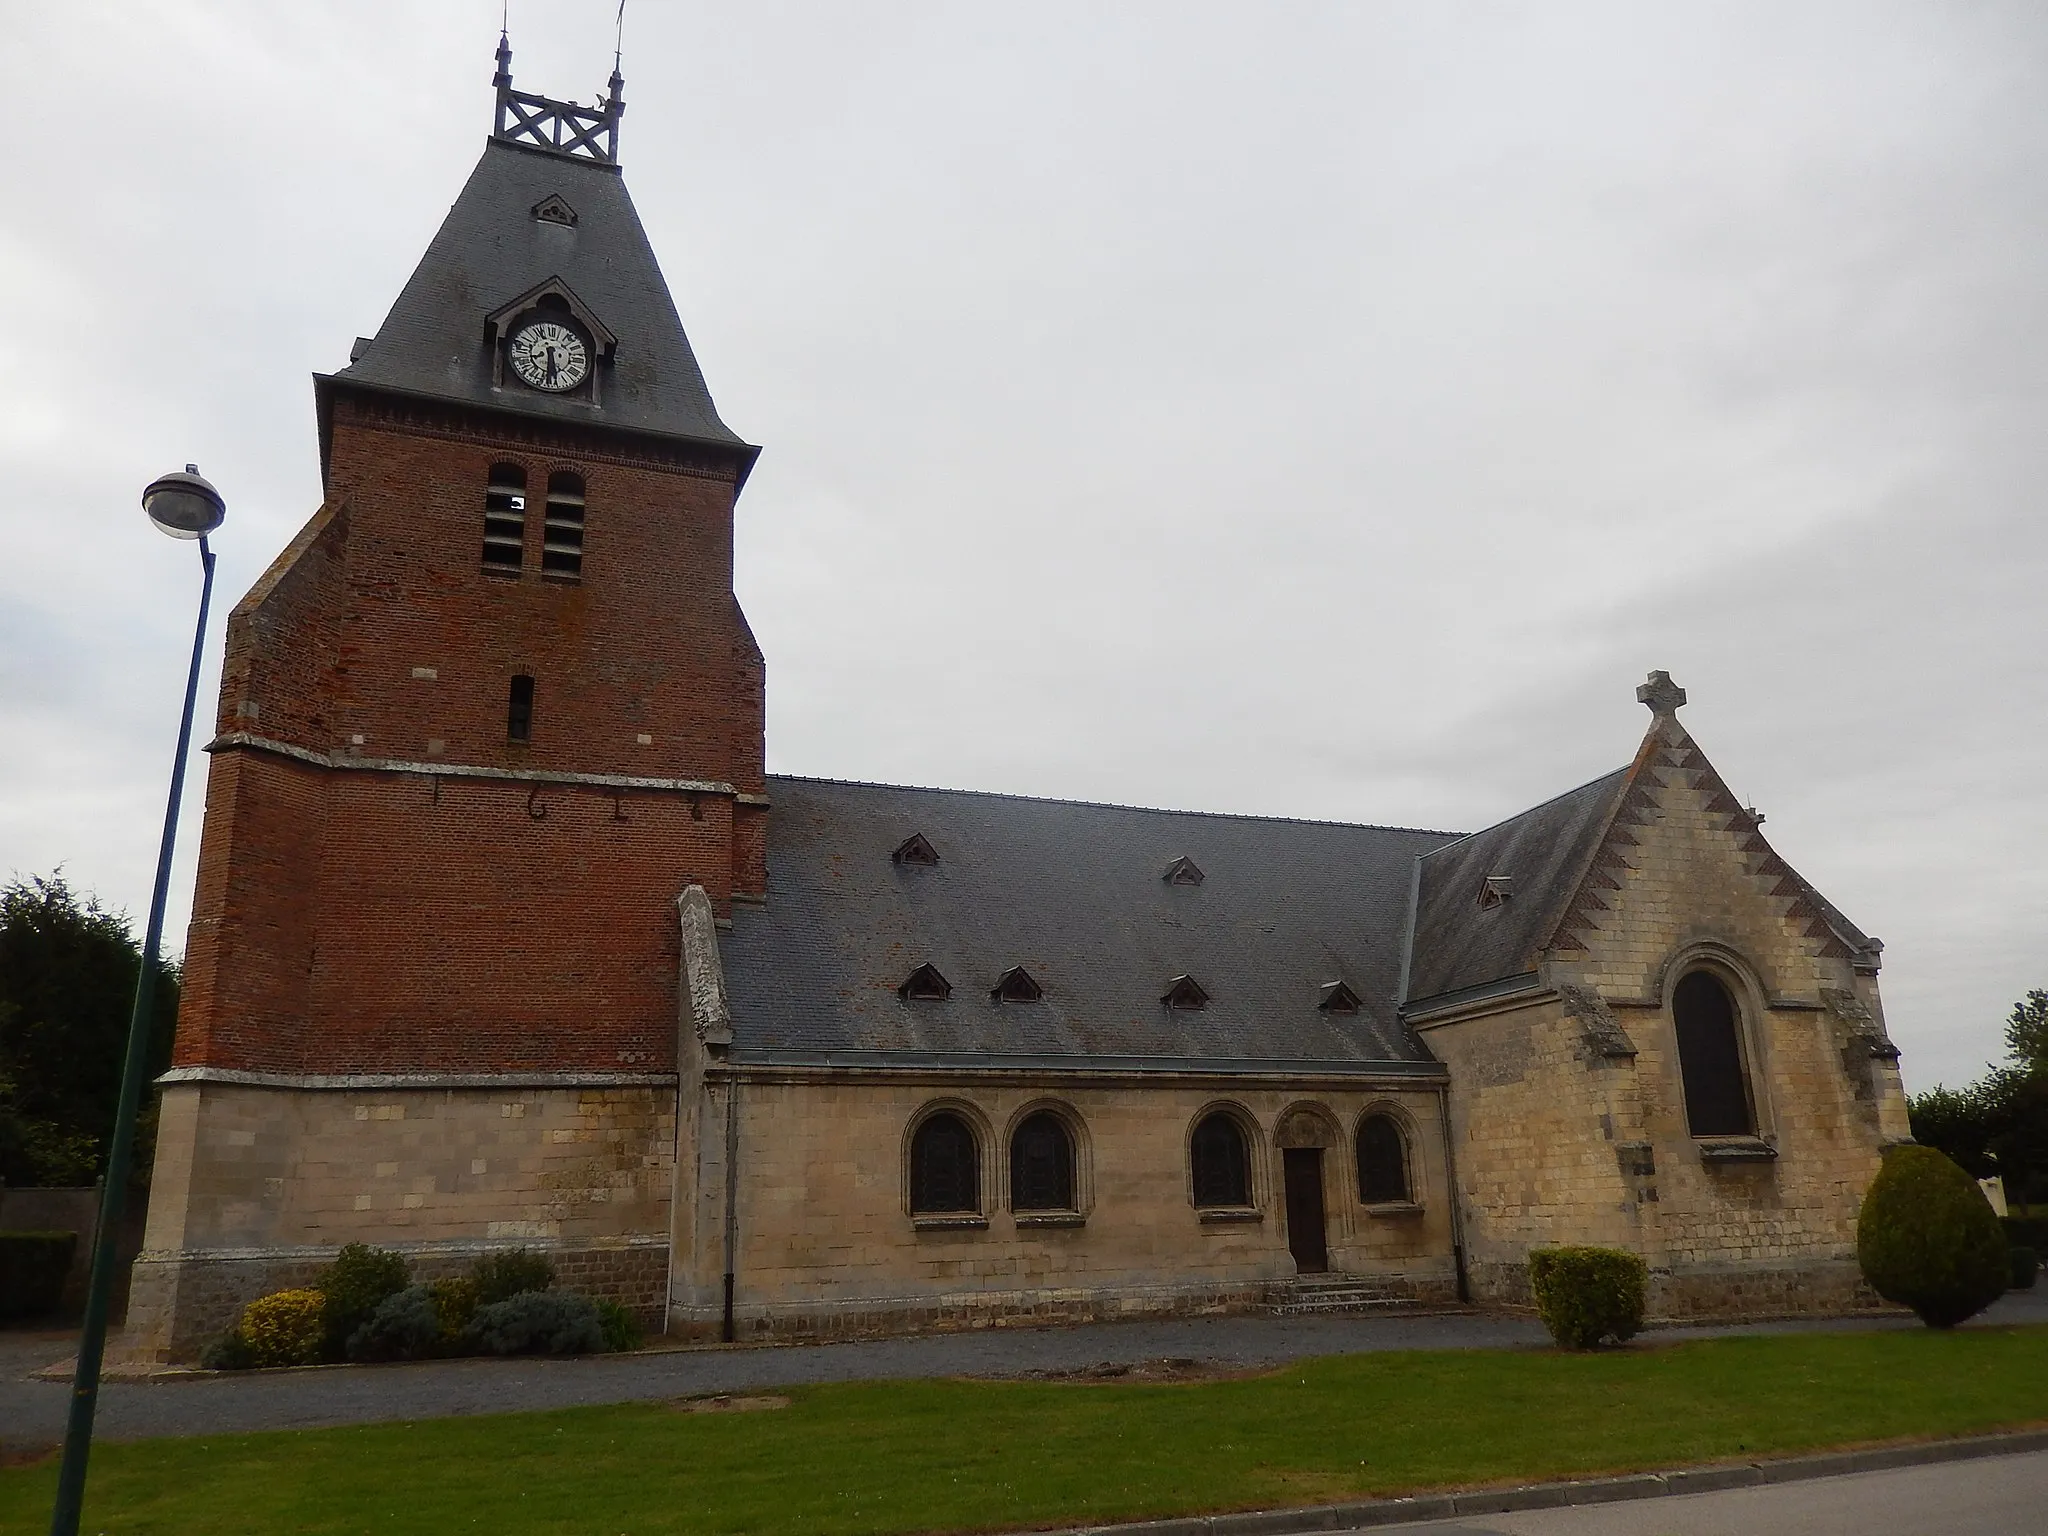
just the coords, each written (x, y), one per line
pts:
(483, 719)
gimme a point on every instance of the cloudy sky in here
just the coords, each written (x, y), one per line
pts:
(1320, 410)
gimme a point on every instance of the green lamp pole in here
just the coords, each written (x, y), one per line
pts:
(184, 506)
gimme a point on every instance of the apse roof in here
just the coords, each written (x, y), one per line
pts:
(496, 245)
(1072, 892)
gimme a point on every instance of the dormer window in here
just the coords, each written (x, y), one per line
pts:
(1183, 871)
(1016, 985)
(561, 554)
(925, 984)
(505, 519)
(554, 209)
(1497, 889)
(1338, 998)
(915, 849)
(1184, 992)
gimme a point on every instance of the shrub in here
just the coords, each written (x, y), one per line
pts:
(454, 1305)
(1927, 1240)
(405, 1326)
(1585, 1295)
(285, 1328)
(2025, 1265)
(537, 1322)
(229, 1352)
(32, 1270)
(501, 1276)
(621, 1331)
(356, 1284)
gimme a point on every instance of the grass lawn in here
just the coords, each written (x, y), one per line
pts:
(968, 1456)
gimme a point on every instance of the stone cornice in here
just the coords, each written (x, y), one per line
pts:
(389, 1082)
(350, 763)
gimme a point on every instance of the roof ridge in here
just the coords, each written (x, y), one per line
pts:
(1116, 805)
(1531, 810)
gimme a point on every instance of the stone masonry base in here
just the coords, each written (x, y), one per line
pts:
(873, 1317)
(1717, 1292)
(178, 1303)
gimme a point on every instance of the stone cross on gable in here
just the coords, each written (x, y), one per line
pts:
(1662, 695)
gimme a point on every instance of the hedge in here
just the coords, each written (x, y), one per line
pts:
(1926, 1238)
(32, 1270)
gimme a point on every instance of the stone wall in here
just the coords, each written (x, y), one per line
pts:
(827, 1243)
(256, 1187)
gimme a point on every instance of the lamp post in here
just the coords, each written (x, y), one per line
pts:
(185, 506)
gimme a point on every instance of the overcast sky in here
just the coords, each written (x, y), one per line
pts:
(1310, 410)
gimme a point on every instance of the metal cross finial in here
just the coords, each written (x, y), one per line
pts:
(1662, 695)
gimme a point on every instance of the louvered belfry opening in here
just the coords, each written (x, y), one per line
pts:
(1042, 1165)
(1382, 1162)
(1017, 985)
(505, 519)
(925, 984)
(1222, 1167)
(944, 1171)
(561, 554)
(1710, 1057)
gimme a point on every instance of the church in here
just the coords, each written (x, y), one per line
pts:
(504, 937)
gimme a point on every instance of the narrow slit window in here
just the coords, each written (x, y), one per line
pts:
(561, 552)
(519, 710)
(505, 519)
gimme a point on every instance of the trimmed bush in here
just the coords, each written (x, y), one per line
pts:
(285, 1328)
(229, 1352)
(501, 1276)
(32, 1270)
(356, 1284)
(405, 1326)
(1585, 1295)
(1927, 1239)
(454, 1305)
(537, 1323)
(621, 1332)
(2026, 1264)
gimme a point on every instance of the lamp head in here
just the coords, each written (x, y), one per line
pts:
(184, 504)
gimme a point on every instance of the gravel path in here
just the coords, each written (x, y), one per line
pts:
(32, 1411)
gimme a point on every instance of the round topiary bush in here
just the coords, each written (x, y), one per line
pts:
(285, 1328)
(1927, 1238)
(1585, 1295)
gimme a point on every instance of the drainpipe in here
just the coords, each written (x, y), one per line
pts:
(732, 1193)
(1443, 1119)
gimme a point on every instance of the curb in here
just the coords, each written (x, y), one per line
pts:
(1599, 1490)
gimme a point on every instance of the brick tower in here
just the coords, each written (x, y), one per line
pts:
(483, 719)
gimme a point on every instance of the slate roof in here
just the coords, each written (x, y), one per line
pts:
(1076, 894)
(490, 250)
(1544, 851)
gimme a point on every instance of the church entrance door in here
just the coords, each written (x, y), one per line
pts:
(1305, 1239)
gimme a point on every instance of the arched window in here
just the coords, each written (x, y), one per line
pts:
(561, 552)
(505, 518)
(1222, 1165)
(1382, 1161)
(944, 1172)
(1710, 1057)
(1042, 1165)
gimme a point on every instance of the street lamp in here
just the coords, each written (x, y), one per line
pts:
(185, 506)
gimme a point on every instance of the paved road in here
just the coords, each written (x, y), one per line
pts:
(32, 1412)
(1998, 1496)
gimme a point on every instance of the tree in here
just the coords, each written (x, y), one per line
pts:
(1998, 1125)
(68, 969)
(2026, 1032)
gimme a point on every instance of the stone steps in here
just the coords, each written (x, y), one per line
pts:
(1320, 1294)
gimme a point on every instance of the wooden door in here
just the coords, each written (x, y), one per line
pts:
(1305, 1239)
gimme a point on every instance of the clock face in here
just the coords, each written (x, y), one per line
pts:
(548, 355)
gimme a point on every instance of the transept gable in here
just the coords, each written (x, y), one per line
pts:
(1654, 868)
